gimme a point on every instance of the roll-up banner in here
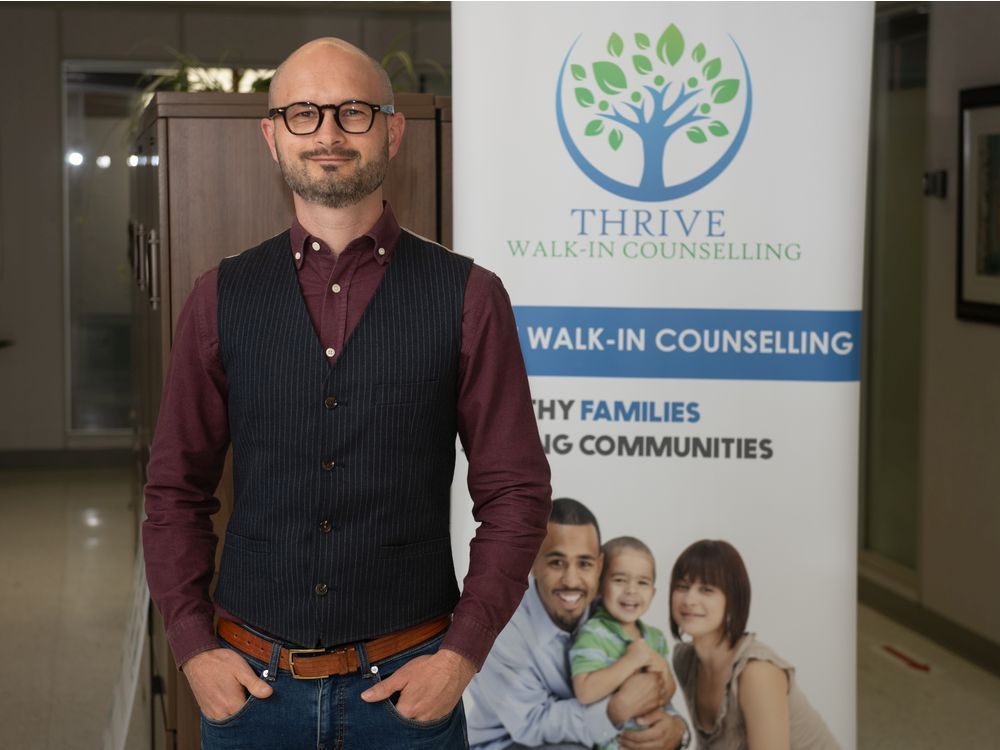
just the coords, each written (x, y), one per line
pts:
(674, 196)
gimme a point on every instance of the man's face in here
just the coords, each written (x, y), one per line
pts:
(567, 571)
(330, 167)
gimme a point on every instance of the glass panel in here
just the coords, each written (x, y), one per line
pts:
(100, 109)
(894, 288)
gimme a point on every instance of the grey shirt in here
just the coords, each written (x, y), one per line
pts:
(808, 731)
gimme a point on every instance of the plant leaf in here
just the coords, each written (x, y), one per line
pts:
(670, 46)
(615, 138)
(615, 45)
(699, 53)
(712, 68)
(594, 127)
(642, 64)
(696, 135)
(583, 97)
(610, 77)
(642, 41)
(725, 90)
(579, 72)
(718, 128)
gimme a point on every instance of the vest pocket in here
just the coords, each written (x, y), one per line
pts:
(417, 549)
(238, 543)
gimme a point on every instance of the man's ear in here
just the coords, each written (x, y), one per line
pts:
(396, 124)
(267, 128)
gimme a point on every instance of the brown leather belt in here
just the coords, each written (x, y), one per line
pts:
(316, 663)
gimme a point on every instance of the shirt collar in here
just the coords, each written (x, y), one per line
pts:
(380, 240)
(599, 610)
(542, 624)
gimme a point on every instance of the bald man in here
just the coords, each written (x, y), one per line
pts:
(340, 359)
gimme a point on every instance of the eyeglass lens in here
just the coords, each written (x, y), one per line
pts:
(351, 117)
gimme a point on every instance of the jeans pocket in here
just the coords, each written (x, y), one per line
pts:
(390, 706)
(232, 718)
(388, 666)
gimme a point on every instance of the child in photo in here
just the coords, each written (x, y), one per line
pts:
(614, 643)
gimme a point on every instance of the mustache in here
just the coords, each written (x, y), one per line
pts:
(342, 153)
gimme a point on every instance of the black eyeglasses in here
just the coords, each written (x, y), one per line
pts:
(355, 117)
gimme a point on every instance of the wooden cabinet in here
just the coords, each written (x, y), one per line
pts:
(204, 186)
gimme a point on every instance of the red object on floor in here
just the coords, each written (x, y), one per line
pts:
(908, 661)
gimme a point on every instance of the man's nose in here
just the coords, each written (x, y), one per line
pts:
(329, 131)
(571, 577)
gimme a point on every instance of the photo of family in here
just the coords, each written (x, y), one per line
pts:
(579, 667)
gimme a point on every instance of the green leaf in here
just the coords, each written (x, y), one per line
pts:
(725, 90)
(594, 127)
(615, 138)
(615, 45)
(642, 64)
(696, 135)
(718, 128)
(583, 97)
(699, 53)
(642, 41)
(712, 68)
(609, 77)
(579, 73)
(670, 47)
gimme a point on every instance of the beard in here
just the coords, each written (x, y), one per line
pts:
(333, 189)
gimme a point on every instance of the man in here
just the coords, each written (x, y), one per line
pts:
(523, 697)
(340, 358)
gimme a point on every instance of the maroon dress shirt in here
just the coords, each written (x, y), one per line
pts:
(508, 472)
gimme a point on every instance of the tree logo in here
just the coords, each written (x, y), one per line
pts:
(637, 98)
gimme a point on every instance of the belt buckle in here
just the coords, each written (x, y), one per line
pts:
(292, 652)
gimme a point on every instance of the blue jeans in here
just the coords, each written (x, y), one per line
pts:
(328, 714)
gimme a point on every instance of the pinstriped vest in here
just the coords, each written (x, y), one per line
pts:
(340, 530)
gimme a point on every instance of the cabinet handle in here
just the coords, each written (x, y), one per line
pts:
(154, 270)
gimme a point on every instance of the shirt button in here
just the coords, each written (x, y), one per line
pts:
(321, 589)
(325, 526)
(328, 464)
(336, 288)
(331, 351)
(315, 246)
(330, 402)
(381, 251)
(298, 256)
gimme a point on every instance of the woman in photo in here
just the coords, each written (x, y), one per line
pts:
(741, 695)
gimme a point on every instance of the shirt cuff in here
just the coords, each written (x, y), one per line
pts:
(469, 638)
(191, 636)
(599, 726)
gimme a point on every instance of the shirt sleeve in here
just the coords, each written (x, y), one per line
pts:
(186, 462)
(528, 710)
(508, 472)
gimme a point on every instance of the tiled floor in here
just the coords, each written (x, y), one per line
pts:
(66, 548)
(954, 705)
(66, 545)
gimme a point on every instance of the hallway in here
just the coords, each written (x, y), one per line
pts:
(66, 550)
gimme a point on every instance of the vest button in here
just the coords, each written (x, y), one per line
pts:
(328, 464)
(321, 589)
(325, 526)
(330, 402)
